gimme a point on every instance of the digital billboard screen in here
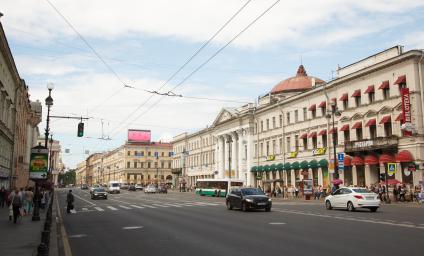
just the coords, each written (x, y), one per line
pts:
(139, 136)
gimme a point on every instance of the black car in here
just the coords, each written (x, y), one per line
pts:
(99, 193)
(162, 189)
(248, 198)
(84, 186)
(132, 188)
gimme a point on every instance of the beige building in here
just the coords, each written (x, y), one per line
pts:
(287, 136)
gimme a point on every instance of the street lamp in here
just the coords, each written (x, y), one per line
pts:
(334, 112)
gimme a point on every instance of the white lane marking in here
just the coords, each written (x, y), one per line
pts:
(135, 227)
(77, 236)
(84, 199)
(120, 201)
(99, 209)
(125, 207)
(354, 219)
(277, 223)
(148, 206)
(84, 209)
(160, 205)
(137, 206)
(112, 208)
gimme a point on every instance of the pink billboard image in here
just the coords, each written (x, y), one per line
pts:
(139, 135)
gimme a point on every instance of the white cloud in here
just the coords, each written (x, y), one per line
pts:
(43, 66)
(414, 40)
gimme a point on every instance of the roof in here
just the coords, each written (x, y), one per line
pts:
(300, 82)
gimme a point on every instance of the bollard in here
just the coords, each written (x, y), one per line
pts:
(45, 238)
(42, 250)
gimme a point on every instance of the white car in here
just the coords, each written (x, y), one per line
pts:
(139, 187)
(150, 189)
(94, 187)
(351, 198)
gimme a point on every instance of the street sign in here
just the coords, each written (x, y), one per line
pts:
(340, 157)
(391, 168)
(38, 165)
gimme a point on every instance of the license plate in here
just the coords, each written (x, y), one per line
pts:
(261, 203)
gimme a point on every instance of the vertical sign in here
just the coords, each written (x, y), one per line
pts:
(391, 168)
(39, 162)
(340, 160)
(406, 112)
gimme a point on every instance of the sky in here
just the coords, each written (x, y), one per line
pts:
(90, 49)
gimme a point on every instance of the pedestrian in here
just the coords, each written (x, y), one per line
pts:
(43, 199)
(69, 201)
(395, 193)
(296, 191)
(2, 196)
(15, 204)
(29, 200)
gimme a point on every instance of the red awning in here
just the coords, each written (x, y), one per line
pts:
(370, 159)
(399, 117)
(356, 93)
(312, 135)
(401, 80)
(347, 161)
(357, 125)
(322, 132)
(386, 119)
(369, 89)
(305, 135)
(334, 99)
(322, 104)
(357, 160)
(344, 97)
(312, 107)
(386, 158)
(404, 156)
(371, 122)
(384, 85)
(334, 130)
(345, 128)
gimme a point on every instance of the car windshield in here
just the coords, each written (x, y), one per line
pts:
(361, 190)
(252, 191)
(115, 185)
(99, 190)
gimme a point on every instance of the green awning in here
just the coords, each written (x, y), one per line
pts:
(280, 167)
(313, 164)
(260, 168)
(273, 167)
(322, 163)
(295, 165)
(304, 165)
(267, 168)
(287, 166)
(254, 169)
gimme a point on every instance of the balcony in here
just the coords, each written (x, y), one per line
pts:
(372, 144)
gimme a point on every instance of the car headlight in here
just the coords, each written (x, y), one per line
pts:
(269, 200)
(249, 200)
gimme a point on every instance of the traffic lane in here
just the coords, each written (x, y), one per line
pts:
(384, 213)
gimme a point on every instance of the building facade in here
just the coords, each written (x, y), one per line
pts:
(288, 135)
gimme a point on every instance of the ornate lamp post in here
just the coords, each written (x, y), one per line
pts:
(332, 113)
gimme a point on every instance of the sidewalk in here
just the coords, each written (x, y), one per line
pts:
(23, 237)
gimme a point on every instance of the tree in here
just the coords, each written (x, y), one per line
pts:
(67, 178)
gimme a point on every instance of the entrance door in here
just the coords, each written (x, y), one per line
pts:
(360, 174)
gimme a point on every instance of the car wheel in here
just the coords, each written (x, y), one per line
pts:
(268, 209)
(229, 206)
(350, 207)
(328, 205)
(374, 209)
(244, 207)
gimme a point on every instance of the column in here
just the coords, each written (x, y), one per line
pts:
(221, 155)
(367, 175)
(354, 176)
(234, 156)
(226, 156)
(293, 178)
(249, 158)
(216, 153)
(240, 171)
(398, 174)
(320, 181)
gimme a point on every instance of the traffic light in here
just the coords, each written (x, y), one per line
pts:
(80, 129)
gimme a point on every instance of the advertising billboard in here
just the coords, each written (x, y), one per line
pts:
(38, 165)
(139, 136)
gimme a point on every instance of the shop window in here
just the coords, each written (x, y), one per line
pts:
(314, 142)
(388, 129)
(346, 135)
(305, 143)
(386, 93)
(359, 134)
(373, 132)
(324, 140)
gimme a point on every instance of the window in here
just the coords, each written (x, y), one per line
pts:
(128, 153)
(273, 122)
(314, 142)
(135, 164)
(141, 165)
(267, 124)
(169, 164)
(148, 165)
(142, 153)
(386, 93)
(281, 120)
(358, 101)
(323, 110)
(347, 135)
(162, 164)
(170, 154)
(305, 143)
(267, 148)
(261, 149)
(288, 144)
(156, 164)
(162, 154)
(149, 153)
(388, 129)
(296, 142)
(256, 150)
(128, 164)
(305, 114)
(262, 126)
(296, 116)
(324, 140)
(346, 104)
(281, 145)
(359, 134)
(273, 147)
(245, 151)
(288, 117)
(373, 131)
(256, 128)
(371, 97)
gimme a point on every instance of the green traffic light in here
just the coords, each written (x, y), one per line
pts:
(80, 130)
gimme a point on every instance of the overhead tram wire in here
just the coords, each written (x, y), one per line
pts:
(184, 65)
(204, 63)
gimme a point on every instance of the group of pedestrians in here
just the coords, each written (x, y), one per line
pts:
(284, 192)
(21, 201)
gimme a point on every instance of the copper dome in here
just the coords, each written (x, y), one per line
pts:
(300, 82)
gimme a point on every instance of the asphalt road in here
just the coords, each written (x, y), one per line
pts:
(132, 223)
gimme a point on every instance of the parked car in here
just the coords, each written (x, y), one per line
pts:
(248, 198)
(84, 186)
(150, 189)
(124, 186)
(351, 198)
(139, 187)
(99, 193)
(162, 189)
(113, 187)
(132, 188)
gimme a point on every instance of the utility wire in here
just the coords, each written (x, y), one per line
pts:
(182, 66)
(205, 62)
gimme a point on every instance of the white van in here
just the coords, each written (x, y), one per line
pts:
(114, 187)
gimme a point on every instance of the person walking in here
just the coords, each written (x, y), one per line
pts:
(69, 201)
(2, 197)
(16, 204)
(29, 201)
(296, 191)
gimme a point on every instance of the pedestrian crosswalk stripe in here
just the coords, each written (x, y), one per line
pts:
(148, 206)
(125, 207)
(174, 205)
(84, 209)
(99, 209)
(137, 206)
(160, 205)
(112, 208)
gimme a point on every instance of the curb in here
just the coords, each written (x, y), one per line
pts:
(63, 248)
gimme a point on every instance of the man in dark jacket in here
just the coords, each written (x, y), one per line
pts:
(16, 203)
(70, 201)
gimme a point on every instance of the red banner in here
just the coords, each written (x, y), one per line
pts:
(406, 112)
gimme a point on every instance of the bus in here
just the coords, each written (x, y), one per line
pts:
(216, 187)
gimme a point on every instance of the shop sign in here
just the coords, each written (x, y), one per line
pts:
(307, 186)
(406, 112)
(319, 151)
(391, 168)
(270, 158)
(38, 165)
(363, 144)
(293, 154)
